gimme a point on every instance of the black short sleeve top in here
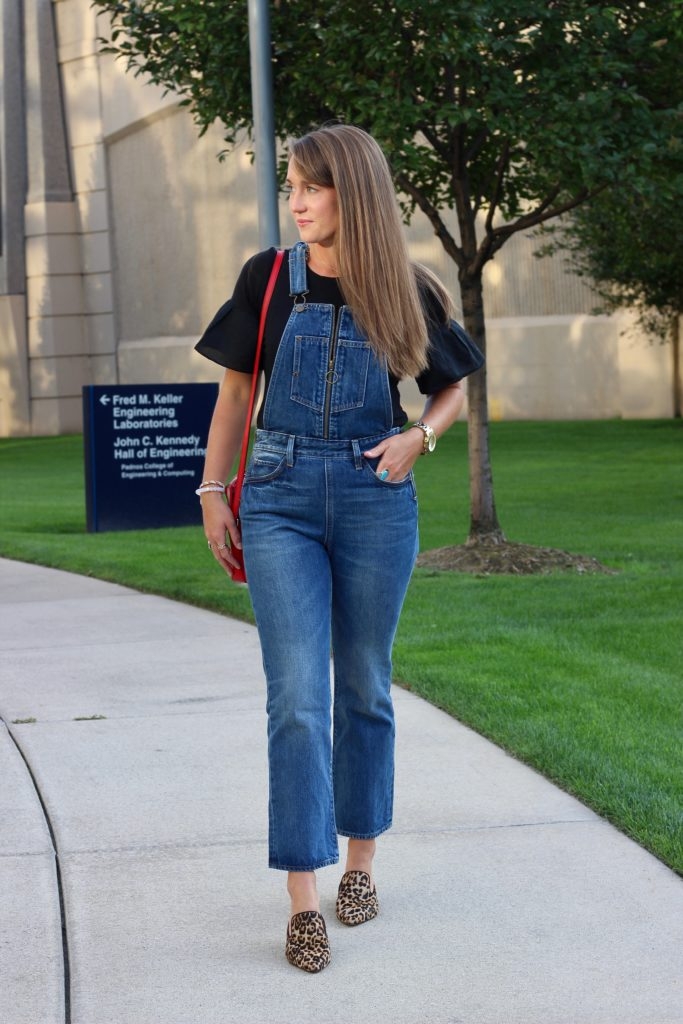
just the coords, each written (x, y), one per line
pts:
(230, 339)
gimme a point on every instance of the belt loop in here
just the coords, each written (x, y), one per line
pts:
(357, 457)
(290, 450)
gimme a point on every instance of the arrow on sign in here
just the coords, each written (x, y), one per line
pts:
(105, 399)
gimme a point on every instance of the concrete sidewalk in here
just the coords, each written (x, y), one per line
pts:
(133, 879)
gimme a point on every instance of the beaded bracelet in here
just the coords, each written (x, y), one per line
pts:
(209, 488)
(218, 483)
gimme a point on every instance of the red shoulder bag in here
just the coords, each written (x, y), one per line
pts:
(233, 490)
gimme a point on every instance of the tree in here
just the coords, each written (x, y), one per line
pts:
(631, 246)
(509, 113)
(629, 243)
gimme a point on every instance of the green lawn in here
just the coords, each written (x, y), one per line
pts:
(580, 676)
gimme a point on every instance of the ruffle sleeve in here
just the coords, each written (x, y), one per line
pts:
(452, 356)
(230, 339)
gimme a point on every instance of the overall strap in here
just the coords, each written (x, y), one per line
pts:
(237, 493)
(298, 284)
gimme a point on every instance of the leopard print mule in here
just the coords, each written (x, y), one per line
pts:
(307, 944)
(356, 900)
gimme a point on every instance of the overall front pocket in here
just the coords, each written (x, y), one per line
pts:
(309, 367)
(370, 467)
(265, 465)
(313, 379)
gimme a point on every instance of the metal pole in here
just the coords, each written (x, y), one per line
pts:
(264, 125)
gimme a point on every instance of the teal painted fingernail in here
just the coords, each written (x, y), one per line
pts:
(384, 474)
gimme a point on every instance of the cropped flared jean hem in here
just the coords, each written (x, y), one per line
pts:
(329, 861)
(306, 867)
(360, 835)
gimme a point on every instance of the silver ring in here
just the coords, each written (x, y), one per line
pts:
(221, 547)
(210, 544)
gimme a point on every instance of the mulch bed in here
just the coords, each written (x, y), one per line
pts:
(487, 558)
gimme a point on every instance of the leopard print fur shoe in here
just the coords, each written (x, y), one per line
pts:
(356, 901)
(307, 944)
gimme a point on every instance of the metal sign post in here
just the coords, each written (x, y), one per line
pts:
(264, 123)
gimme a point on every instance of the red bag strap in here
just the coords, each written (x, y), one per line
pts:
(237, 493)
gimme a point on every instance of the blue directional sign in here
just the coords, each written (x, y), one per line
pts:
(144, 447)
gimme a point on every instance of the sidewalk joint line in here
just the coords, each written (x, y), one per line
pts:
(210, 635)
(14, 854)
(397, 833)
(453, 829)
(171, 845)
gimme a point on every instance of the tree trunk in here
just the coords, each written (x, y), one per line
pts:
(484, 523)
(676, 350)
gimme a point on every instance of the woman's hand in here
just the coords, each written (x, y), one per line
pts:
(397, 454)
(220, 529)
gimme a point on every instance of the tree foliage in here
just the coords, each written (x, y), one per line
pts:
(628, 241)
(508, 113)
(630, 245)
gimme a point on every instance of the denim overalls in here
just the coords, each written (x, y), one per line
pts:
(329, 549)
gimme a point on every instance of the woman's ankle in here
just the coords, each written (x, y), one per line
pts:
(303, 894)
(360, 855)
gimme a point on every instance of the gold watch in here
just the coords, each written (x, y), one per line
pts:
(429, 439)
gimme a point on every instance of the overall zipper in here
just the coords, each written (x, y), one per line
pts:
(330, 373)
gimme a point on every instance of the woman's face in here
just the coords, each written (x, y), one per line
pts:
(314, 208)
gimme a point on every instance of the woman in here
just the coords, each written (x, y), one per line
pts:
(329, 513)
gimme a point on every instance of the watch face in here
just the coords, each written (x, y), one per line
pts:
(431, 442)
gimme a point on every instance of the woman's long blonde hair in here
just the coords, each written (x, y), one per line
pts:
(376, 276)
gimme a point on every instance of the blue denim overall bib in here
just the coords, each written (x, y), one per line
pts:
(329, 549)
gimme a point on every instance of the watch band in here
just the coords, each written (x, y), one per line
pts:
(429, 439)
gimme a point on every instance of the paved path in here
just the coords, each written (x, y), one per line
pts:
(133, 878)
